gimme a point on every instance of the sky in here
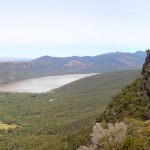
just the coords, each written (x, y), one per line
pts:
(34, 28)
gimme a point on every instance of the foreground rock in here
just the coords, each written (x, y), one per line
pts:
(104, 134)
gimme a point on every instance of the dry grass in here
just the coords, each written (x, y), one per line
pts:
(4, 126)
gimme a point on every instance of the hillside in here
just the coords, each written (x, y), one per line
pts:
(131, 102)
(46, 65)
(65, 122)
(125, 123)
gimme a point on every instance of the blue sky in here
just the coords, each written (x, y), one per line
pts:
(32, 28)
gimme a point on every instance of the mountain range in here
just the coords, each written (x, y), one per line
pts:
(13, 59)
(47, 65)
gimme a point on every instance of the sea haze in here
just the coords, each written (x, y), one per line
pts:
(40, 85)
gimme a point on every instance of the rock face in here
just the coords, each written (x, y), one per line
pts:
(146, 72)
(104, 134)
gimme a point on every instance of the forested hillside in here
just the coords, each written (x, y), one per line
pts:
(60, 119)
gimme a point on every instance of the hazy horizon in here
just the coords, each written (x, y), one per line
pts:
(34, 28)
(30, 58)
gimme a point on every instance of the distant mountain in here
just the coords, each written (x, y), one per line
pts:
(47, 65)
(101, 63)
(13, 59)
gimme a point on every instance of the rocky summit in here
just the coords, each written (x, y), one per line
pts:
(146, 72)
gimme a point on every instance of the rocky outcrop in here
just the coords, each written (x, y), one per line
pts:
(78, 64)
(146, 72)
(103, 134)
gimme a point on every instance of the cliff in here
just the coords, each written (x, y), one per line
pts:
(146, 72)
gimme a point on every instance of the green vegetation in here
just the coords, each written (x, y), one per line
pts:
(138, 135)
(132, 106)
(132, 101)
(64, 123)
(135, 137)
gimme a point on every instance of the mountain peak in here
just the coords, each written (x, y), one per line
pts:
(43, 58)
(146, 72)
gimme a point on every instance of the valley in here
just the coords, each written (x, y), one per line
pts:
(57, 111)
(64, 123)
(74, 75)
